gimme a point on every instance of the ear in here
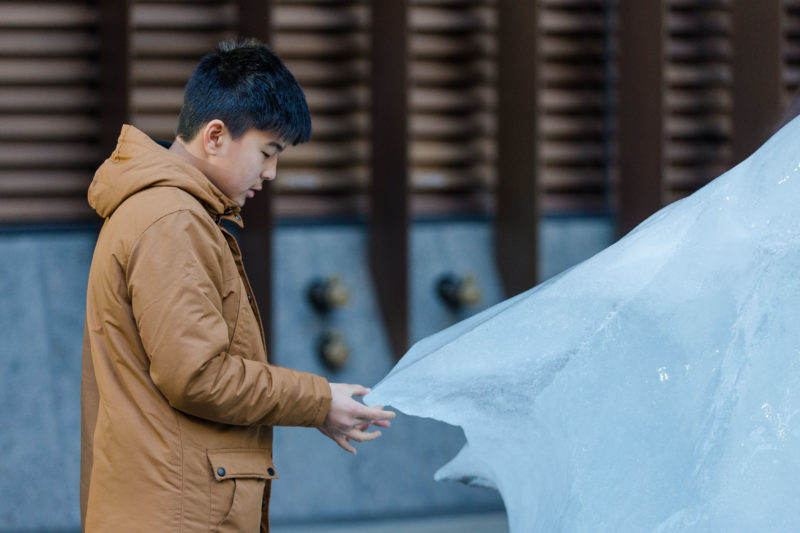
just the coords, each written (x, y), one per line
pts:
(215, 137)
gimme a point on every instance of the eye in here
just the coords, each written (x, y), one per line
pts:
(266, 155)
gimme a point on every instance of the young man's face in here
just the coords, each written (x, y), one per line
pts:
(239, 166)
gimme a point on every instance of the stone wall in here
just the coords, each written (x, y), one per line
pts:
(43, 278)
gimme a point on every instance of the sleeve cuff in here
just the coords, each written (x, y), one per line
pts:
(323, 390)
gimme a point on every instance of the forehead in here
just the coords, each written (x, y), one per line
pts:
(263, 138)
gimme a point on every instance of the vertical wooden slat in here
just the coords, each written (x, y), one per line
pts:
(698, 57)
(389, 202)
(254, 19)
(757, 73)
(115, 71)
(256, 239)
(517, 214)
(641, 110)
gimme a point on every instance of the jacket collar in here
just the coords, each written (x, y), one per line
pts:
(138, 163)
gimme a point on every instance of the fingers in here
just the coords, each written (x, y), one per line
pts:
(344, 443)
(339, 439)
(359, 390)
(359, 435)
(380, 423)
(372, 414)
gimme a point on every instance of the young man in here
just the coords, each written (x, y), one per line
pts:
(178, 398)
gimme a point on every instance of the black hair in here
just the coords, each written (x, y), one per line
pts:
(245, 85)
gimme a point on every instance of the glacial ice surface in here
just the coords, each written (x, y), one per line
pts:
(654, 387)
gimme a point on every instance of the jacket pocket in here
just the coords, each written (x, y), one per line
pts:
(238, 481)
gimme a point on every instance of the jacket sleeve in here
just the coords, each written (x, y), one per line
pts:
(174, 278)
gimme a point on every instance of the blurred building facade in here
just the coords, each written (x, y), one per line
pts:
(487, 143)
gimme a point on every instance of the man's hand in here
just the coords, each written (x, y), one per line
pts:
(349, 420)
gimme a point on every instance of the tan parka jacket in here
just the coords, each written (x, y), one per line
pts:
(178, 398)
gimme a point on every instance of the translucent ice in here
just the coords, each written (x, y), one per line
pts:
(653, 387)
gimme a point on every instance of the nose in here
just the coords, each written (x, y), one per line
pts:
(270, 169)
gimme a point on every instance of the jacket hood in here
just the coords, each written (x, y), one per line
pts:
(138, 163)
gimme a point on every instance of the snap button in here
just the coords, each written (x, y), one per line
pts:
(270, 471)
(221, 472)
(249, 298)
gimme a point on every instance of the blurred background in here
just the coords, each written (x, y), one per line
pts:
(463, 151)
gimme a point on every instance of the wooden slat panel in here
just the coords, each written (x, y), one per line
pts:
(326, 46)
(43, 183)
(25, 127)
(453, 46)
(49, 127)
(573, 100)
(472, 18)
(437, 179)
(700, 23)
(454, 153)
(35, 100)
(439, 73)
(307, 44)
(715, 125)
(555, 21)
(154, 43)
(162, 71)
(560, 74)
(36, 43)
(43, 209)
(49, 155)
(702, 75)
(47, 15)
(343, 17)
(353, 125)
(588, 125)
(790, 50)
(700, 49)
(452, 100)
(573, 153)
(567, 47)
(39, 71)
(576, 78)
(168, 39)
(174, 16)
(315, 73)
(312, 179)
(319, 205)
(427, 100)
(698, 77)
(692, 177)
(326, 154)
(588, 180)
(431, 126)
(706, 99)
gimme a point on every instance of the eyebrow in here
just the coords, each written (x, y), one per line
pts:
(276, 144)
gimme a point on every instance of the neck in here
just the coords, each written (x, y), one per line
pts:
(192, 153)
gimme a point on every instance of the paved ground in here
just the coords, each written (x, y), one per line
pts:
(483, 523)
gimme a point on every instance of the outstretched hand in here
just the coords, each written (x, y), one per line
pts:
(349, 420)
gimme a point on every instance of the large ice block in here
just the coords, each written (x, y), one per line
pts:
(653, 387)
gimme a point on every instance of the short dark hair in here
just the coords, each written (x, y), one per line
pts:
(244, 84)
